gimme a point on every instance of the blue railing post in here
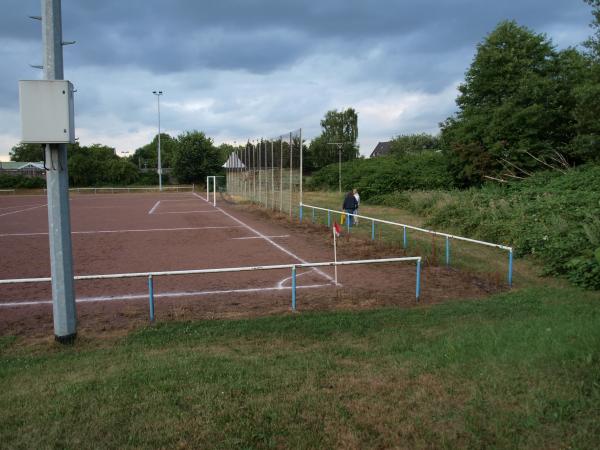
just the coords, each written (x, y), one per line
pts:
(447, 251)
(300, 212)
(293, 288)
(151, 297)
(313, 215)
(372, 230)
(328, 219)
(404, 240)
(510, 267)
(418, 288)
(348, 218)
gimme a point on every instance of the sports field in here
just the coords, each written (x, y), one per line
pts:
(155, 232)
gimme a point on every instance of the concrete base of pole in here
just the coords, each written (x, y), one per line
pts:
(66, 340)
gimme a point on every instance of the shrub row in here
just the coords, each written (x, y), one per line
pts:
(553, 216)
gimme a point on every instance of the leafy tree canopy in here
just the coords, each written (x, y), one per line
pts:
(406, 144)
(336, 127)
(27, 153)
(195, 158)
(515, 106)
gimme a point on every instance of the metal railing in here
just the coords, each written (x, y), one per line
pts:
(406, 227)
(150, 275)
(112, 190)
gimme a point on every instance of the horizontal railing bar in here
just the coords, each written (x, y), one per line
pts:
(411, 227)
(220, 270)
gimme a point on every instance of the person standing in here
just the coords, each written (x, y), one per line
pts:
(350, 205)
(357, 197)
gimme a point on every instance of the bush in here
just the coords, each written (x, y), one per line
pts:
(21, 182)
(551, 216)
(376, 176)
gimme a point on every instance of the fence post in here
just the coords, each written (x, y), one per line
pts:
(328, 219)
(301, 212)
(151, 297)
(510, 267)
(418, 289)
(404, 238)
(348, 221)
(372, 230)
(313, 215)
(293, 288)
(447, 251)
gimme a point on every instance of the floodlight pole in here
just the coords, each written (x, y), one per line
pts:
(339, 145)
(158, 94)
(57, 179)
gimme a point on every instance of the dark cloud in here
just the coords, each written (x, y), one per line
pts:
(262, 64)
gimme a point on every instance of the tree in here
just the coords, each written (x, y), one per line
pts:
(407, 144)
(195, 158)
(27, 153)
(593, 42)
(147, 156)
(336, 126)
(515, 107)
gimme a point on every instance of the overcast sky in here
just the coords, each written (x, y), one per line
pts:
(240, 69)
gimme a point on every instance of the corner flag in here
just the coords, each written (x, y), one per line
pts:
(337, 230)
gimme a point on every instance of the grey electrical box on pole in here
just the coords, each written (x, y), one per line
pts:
(47, 112)
(52, 113)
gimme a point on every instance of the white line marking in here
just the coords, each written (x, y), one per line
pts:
(163, 295)
(280, 285)
(21, 210)
(270, 241)
(186, 212)
(154, 207)
(16, 206)
(149, 230)
(258, 237)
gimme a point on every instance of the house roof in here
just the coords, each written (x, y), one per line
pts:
(21, 165)
(381, 149)
(234, 162)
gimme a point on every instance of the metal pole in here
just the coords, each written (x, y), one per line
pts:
(151, 297)
(301, 167)
(272, 177)
(293, 288)
(291, 174)
(57, 178)
(158, 94)
(447, 251)
(418, 288)
(340, 168)
(214, 192)
(259, 171)
(281, 175)
(510, 267)
(404, 238)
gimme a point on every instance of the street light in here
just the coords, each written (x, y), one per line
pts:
(339, 145)
(158, 94)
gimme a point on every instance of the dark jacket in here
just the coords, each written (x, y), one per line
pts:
(350, 202)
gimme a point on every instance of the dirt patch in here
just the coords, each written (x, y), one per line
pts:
(189, 234)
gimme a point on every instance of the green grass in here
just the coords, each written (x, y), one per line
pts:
(519, 370)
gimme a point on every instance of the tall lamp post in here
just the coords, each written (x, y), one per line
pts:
(158, 94)
(339, 145)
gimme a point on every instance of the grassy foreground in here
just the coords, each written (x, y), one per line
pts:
(519, 370)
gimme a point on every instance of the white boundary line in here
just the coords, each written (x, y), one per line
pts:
(22, 210)
(149, 230)
(17, 206)
(187, 212)
(258, 237)
(270, 241)
(154, 207)
(159, 295)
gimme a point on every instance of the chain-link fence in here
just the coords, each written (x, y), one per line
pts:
(268, 172)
